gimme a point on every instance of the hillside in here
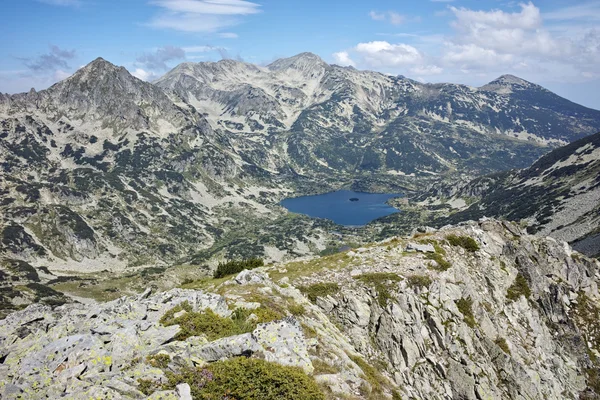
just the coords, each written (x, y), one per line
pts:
(559, 196)
(477, 311)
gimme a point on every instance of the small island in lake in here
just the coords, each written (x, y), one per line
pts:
(354, 199)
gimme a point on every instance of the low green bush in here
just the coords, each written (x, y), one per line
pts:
(465, 306)
(466, 242)
(501, 342)
(319, 290)
(372, 375)
(383, 282)
(420, 281)
(441, 263)
(519, 288)
(234, 267)
(247, 379)
(159, 360)
(213, 325)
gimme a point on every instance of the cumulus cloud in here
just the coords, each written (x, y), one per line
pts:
(56, 58)
(201, 15)
(343, 58)
(158, 60)
(384, 54)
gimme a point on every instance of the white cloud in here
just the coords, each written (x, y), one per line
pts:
(390, 16)
(60, 75)
(343, 58)
(471, 56)
(426, 70)
(384, 54)
(377, 16)
(198, 49)
(201, 15)
(143, 74)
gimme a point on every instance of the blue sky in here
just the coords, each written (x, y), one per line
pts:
(555, 43)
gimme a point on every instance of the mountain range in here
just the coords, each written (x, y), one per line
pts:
(105, 172)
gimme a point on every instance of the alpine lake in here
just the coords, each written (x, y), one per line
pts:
(344, 207)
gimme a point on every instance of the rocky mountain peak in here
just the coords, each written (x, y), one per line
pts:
(507, 83)
(303, 61)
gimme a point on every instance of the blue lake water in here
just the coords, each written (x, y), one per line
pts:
(338, 207)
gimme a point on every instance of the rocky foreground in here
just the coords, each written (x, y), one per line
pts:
(477, 311)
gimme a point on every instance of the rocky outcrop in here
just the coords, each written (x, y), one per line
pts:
(500, 315)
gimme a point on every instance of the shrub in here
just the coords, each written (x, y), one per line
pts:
(234, 267)
(382, 282)
(442, 264)
(519, 288)
(319, 290)
(159, 360)
(297, 309)
(501, 342)
(420, 281)
(247, 379)
(322, 368)
(465, 306)
(466, 242)
(147, 386)
(213, 325)
(374, 377)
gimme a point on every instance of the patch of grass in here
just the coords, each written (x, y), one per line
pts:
(247, 379)
(419, 281)
(501, 342)
(441, 263)
(465, 306)
(296, 309)
(234, 267)
(383, 282)
(396, 395)
(466, 242)
(148, 386)
(213, 325)
(372, 375)
(323, 368)
(159, 360)
(319, 290)
(519, 288)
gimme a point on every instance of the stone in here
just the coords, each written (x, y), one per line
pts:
(233, 346)
(421, 248)
(251, 277)
(283, 342)
(184, 391)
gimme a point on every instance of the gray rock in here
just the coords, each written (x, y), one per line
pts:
(251, 277)
(233, 346)
(422, 248)
(284, 343)
(184, 391)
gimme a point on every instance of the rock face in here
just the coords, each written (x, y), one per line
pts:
(502, 315)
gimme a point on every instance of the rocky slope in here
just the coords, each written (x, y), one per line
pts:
(559, 195)
(478, 311)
